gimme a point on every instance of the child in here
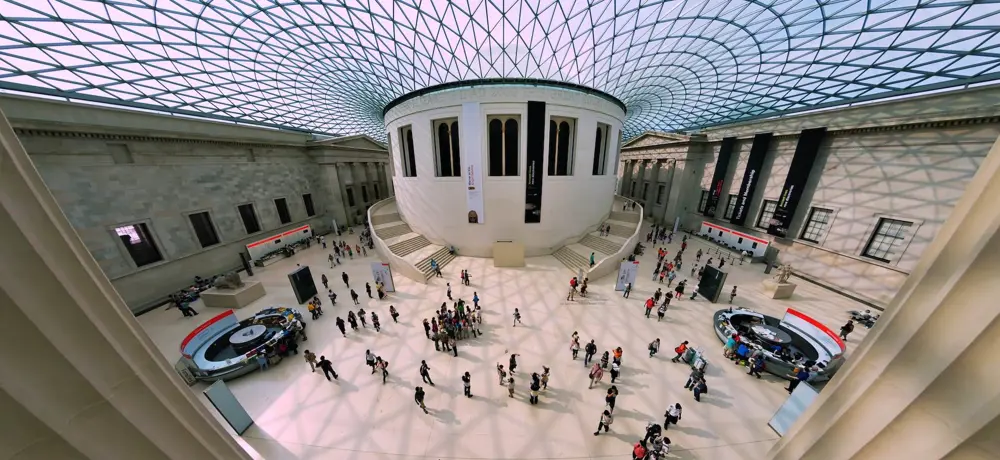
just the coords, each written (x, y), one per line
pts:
(510, 387)
(517, 317)
(545, 378)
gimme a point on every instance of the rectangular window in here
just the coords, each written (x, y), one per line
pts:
(660, 192)
(601, 149)
(203, 229)
(502, 142)
(730, 206)
(282, 207)
(447, 159)
(378, 196)
(766, 213)
(408, 157)
(364, 194)
(704, 201)
(249, 217)
(562, 135)
(819, 219)
(307, 200)
(350, 196)
(139, 244)
(890, 234)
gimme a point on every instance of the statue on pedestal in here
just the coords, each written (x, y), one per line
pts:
(784, 272)
(229, 280)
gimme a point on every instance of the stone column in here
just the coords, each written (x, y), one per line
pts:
(923, 384)
(626, 183)
(383, 184)
(661, 216)
(344, 170)
(81, 379)
(649, 201)
(641, 181)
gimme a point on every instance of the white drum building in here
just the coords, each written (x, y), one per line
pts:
(475, 163)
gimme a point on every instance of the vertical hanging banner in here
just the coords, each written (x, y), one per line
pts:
(795, 181)
(381, 273)
(472, 149)
(627, 272)
(750, 177)
(719, 176)
(535, 156)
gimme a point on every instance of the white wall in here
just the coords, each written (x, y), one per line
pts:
(571, 205)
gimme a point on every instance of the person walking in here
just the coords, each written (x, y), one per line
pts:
(695, 377)
(732, 295)
(847, 329)
(354, 297)
(604, 360)
(628, 289)
(610, 398)
(362, 318)
(325, 281)
(310, 359)
(680, 350)
(370, 360)
(425, 373)
(340, 325)
(327, 367)
(615, 369)
(513, 363)
(605, 422)
(382, 366)
(343, 276)
(449, 291)
(639, 450)
(571, 295)
(591, 259)
(418, 397)
(671, 416)
(394, 314)
(427, 328)
(332, 295)
(649, 305)
(467, 383)
(510, 387)
(574, 346)
(375, 323)
(475, 299)
(596, 374)
(330, 258)
(535, 386)
(801, 374)
(545, 378)
(517, 318)
(502, 374)
(589, 351)
(661, 311)
(653, 431)
(700, 388)
(654, 347)
(368, 288)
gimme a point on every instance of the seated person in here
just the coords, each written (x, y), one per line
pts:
(451, 250)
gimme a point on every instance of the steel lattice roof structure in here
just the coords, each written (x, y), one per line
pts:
(332, 66)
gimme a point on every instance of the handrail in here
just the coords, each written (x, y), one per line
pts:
(396, 263)
(610, 263)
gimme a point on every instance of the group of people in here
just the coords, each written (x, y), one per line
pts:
(450, 326)
(575, 286)
(361, 317)
(539, 382)
(341, 249)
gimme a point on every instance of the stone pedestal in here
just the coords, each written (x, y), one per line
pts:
(233, 298)
(778, 290)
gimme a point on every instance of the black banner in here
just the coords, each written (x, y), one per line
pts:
(535, 157)
(751, 175)
(719, 177)
(798, 174)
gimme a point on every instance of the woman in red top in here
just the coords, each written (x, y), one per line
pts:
(639, 451)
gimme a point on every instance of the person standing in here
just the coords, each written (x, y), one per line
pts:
(628, 289)
(605, 423)
(467, 383)
(574, 346)
(330, 258)
(375, 323)
(545, 378)
(513, 363)
(510, 387)
(596, 374)
(354, 297)
(394, 314)
(368, 287)
(700, 388)
(325, 281)
(449, 291)
(362, 317)
(604, 360)
(535, 386)
(310, 359)
(502, 374)
(847, 329)
(639, 450)
(654, 347)
(382, 366)
(801, 374)
(262, 361)
(680, 351)
(370, 360)
(589, 351)
(694, 378)
(672, 415)
(517, 317)
(427, 328)
(327, 367)
(340, 325)
(732, 295)
(571, 295)
(610, 398)
(653, 431)
(615, 369)
(649, 305)
(662, 310)
(418, 397)
(756, 365)
(343, 276)
(425, 373)
(475, 299)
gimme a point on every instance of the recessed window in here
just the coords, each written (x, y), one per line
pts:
(730, 206)
(282, 207)
(249, 217)
(364, 194)
(447, 161)
(661, 191)
(561, 137)
(307, 200)
(766, 214)
(889, 235)
(601, 149)
(139, 244)
(406, 152)
(203, 229)
(378, 196)
(819, 219)
(502, 131)
(350, 196)
(704, 201)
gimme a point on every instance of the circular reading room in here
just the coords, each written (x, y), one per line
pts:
(517, 230)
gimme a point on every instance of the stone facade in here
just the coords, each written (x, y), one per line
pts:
(106, 174)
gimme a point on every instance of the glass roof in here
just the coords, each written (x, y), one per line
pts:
(331, 66)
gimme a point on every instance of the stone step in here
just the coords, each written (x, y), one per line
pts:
(381, 219)
(571, 259)
(442, 256)
(394, 231)
(625, 216)
(620, 230)
(403, 248)
(600, 244)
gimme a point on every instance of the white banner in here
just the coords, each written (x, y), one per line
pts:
(259, 248)
(471, 133)
(627, 272)
(382, 274)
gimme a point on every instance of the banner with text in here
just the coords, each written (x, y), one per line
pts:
(627, 272)
(534, 156)
(472, 150)
(381, 273)
(751, 175)
(719, 176)
(795, 181)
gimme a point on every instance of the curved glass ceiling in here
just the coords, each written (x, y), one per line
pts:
(331, 66)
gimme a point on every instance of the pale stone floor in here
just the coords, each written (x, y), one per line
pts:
(299, 415)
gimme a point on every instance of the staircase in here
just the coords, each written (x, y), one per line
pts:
(382, 219)
(442, 256)
(618, 229)
(571, 259)
(409, 246)
(600, 244)
(576, 256)
(393, 231)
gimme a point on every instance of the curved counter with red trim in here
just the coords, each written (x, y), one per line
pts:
(812, 345)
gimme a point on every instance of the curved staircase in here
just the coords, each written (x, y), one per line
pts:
(624, 224)
(404, 244)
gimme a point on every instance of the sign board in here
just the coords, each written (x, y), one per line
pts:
(382, 274)
(798, 173)
(809, 327)
(208, 331)
(627, 272)
(719, 176)
(792, 408)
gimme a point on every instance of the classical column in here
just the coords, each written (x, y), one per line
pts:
(649, 200)
(642, 180)
(81, 379)
(344, 170)
(923, 384)
(661, 215)
(627, 168)
(383, 184)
